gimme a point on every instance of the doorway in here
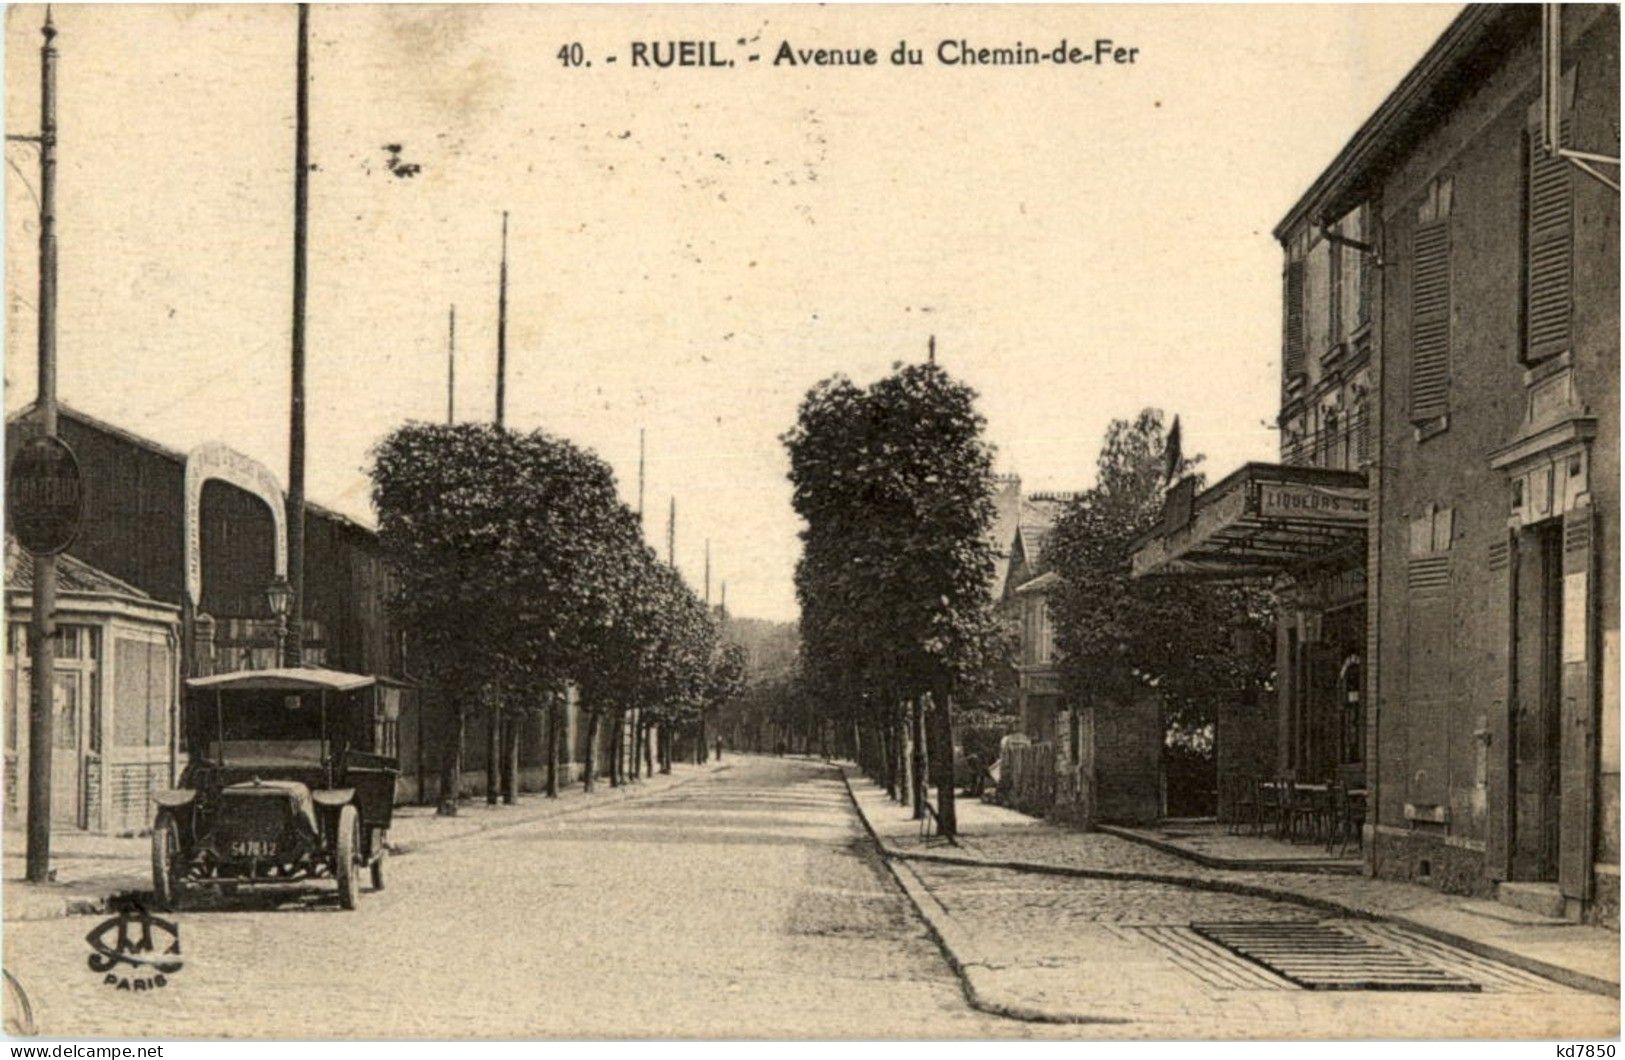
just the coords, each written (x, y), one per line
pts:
(1537, 713)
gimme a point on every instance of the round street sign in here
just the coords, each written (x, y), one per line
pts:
(44, 495)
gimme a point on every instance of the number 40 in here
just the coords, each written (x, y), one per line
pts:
(572, 55)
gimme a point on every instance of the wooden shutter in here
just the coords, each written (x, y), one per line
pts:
(1549, 241)
(1430, 320)
(1500, 583)
(1292, 344)
(1578, 745)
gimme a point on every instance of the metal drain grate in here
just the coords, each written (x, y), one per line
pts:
(1319, 956)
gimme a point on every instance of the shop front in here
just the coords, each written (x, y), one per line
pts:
(115, 681)
(1303, 531)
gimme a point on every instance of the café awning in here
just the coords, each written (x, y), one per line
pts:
(1261, 520)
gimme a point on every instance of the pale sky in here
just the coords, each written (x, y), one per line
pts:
(690, 249)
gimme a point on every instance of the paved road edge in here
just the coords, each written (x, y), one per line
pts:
(975, 974)
(1568, 977)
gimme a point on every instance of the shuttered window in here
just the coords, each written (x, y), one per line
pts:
(1292, 341)
(1430, 320)
(1549, 242)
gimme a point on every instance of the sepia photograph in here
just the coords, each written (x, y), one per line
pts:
(789, 522)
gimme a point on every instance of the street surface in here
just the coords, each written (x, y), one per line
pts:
(748, 903)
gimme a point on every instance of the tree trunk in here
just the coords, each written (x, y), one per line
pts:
(592, 749)
(510, 774)
(617, 740)
(493, 753)
(943, 756)
(665, 747)
(916, 715)
(701, 753)
(555, 719)
(451, 762)
(646, 750)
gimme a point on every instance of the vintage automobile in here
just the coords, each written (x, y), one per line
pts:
(290, 777)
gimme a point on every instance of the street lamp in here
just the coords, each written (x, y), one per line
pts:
(279, 594)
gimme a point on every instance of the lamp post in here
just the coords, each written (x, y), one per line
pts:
(279, 594)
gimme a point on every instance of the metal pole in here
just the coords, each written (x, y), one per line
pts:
(502, 324)
(292, 653)
(42, 620)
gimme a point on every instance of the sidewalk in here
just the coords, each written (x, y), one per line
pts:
(1211, 844)
(88, 870)
(1582, 957)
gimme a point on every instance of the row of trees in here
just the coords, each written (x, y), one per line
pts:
(894, 483)
(517, 571)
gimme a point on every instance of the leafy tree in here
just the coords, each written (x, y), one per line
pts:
(895, 486)
(509, 552)
(1119, 637)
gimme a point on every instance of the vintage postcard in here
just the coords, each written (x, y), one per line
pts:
(812, 522)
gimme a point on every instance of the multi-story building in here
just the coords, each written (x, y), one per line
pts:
(1451, 366)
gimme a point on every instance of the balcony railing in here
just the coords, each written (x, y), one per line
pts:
(1346, 446)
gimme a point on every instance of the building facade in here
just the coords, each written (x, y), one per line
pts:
(1443, 528)
(1493, 748)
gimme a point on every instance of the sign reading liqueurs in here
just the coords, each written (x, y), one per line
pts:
(1299, 500)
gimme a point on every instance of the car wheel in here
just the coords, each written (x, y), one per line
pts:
(166, 852)
(347, 856)
(379, 853)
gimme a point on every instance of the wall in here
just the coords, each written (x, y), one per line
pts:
(1127, 779)
(1441, 609)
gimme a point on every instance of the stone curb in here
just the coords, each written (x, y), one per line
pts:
(91, 905)
(954, 941)
(1568, 977)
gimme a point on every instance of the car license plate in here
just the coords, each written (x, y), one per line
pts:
(252, 848)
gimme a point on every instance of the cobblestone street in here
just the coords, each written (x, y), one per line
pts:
(747, 903)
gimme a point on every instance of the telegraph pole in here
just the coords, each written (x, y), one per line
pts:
(451, 369)
(496, 728)
(502, 324)
(671, 535)
(293, 654)
(42, 620)
(640, 480)
(708, 574)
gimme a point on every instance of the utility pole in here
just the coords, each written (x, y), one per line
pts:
(451, 369)
(931, 349)
(502, 324)
(42, 620)
(708, 574)
(640, 480)
(671, 535)
(293, 654)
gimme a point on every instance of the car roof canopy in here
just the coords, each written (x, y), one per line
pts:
(289, 679)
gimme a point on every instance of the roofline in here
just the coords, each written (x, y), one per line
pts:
(1408, 100)
(172, 454)
(19, 598)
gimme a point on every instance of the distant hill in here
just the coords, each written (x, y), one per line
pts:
(771, 648)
